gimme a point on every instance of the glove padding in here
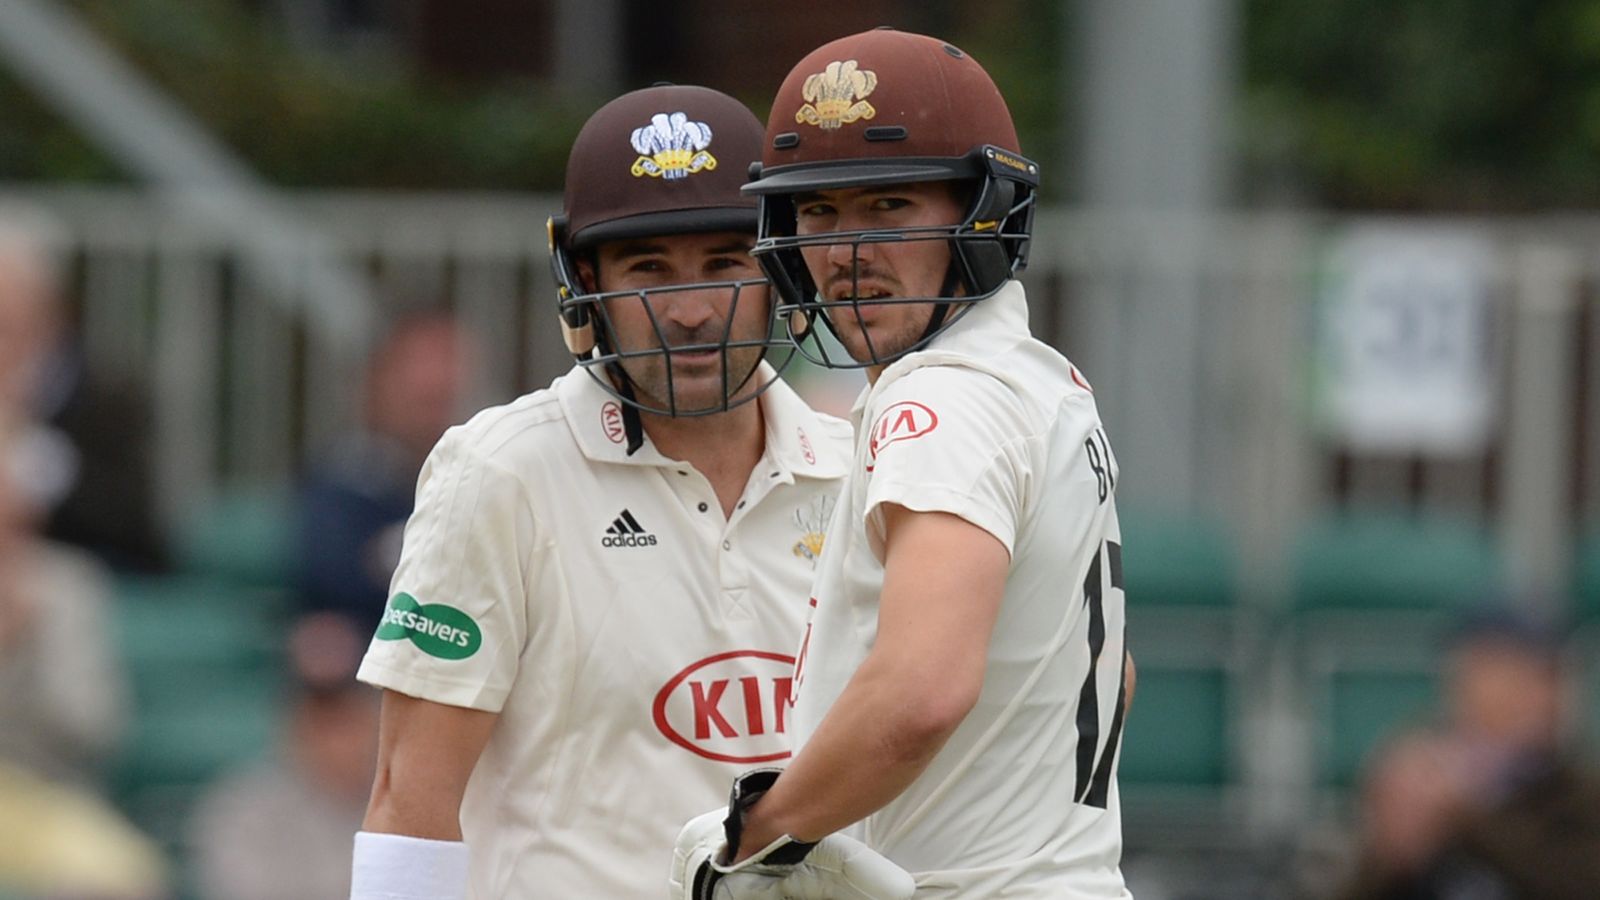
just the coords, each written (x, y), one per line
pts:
(837, 867)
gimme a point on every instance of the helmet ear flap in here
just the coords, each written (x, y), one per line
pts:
(999, 195)
(986, 264)
(577, 323)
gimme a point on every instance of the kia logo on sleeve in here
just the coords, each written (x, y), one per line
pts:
(900, 422)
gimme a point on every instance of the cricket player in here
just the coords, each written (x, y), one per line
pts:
(959, 690)
(591, 624)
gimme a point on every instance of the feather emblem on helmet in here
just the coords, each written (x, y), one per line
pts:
(672, 147)
(837, 96)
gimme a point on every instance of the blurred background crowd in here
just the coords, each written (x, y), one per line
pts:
(1329, 264)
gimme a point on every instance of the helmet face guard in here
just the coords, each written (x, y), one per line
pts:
(987, 247)
(615, 361)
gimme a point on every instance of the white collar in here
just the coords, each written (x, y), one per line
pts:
(796, 439)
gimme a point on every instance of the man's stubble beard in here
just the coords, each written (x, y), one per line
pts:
(649, 378)
(853, 335)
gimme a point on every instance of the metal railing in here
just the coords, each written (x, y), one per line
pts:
(245, 382)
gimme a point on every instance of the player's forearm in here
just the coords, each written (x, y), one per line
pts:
(426, 753)
(942, 587)
(413, 810)
(876, 740)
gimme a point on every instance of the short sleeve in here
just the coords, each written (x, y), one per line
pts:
(457, 617)
(949, 439)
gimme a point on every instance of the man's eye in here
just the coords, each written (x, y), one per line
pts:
(726, 262)
(647, 265)
(816, 209)
(886, 204)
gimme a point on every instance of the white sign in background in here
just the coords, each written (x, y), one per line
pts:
(1405, 357)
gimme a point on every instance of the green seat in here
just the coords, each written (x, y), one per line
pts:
(191, 742)
(1175, 561)
(204, 657)
(191, 623)
(1184, 632)
(1364, 708)
(1586, 577)
(244, 535)
(205, 662)
(1394, 562)
(1178, 730)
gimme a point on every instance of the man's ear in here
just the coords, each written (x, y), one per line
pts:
(588, 274)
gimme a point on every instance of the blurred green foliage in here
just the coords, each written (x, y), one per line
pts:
(1466, 105)
(370, 120)
(1023, 53)
(1428, 104)
(304, 119)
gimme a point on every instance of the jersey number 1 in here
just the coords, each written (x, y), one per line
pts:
(1094, 771)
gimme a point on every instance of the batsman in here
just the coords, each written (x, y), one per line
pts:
(592, 622)
(959, 689)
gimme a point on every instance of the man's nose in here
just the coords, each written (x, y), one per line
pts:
(690, 309)
(844, 253)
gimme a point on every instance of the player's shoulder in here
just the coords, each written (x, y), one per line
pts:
(1030, 391)
(948, 385)
(1071, 391)
(506, 434)
(835, 430)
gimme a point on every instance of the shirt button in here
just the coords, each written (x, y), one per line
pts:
(727, 545)
(741, 504)
(704, 506)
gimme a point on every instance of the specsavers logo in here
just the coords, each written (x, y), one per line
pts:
(436, 629)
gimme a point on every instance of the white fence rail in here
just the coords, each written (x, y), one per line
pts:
(1198, 335)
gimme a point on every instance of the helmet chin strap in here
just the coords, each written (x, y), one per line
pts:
(632, 426)
(941, 311)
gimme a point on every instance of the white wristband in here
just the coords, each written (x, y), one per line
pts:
(397, 867)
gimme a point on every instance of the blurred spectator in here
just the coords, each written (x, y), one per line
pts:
(58, 841)
(1493, 802)
(62, 695)
(355, 500)
(281, 829)
(61, 702)
(98, 430)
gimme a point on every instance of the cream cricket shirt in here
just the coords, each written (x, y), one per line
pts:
(637, 646)
(996, 427)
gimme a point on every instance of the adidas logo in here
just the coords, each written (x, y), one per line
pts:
(627, 532)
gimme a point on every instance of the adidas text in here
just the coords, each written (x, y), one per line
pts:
(628, 540)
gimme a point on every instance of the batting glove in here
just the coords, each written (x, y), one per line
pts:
(835, 868)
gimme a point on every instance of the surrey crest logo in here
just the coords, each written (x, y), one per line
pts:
(837, 96)
(672, 147)
(813, 524)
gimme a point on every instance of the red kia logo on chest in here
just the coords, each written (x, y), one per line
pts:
(611, 421)
(731, 707)
(900, 422)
